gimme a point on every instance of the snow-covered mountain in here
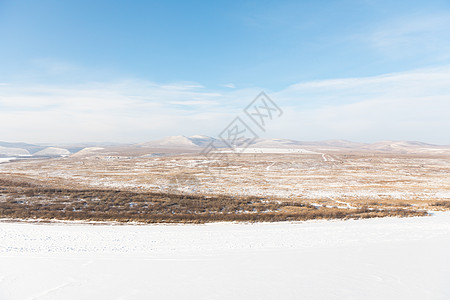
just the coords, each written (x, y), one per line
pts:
(178, 141)
(406, 147)
(10, 151)
(88, 151)
(29, 147)
(196, 143)
(202, 141)
(29, 150)
(52, 151)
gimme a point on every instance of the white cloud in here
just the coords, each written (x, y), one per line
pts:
(127, 111)
(413, 35)
(411, 105)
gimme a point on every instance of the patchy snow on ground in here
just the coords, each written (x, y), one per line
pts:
(252, 150)
(388, 258)
(296, 176)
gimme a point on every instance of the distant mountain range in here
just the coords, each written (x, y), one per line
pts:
(180, 141)
(200, 141)
(196, 143)
(34, 152)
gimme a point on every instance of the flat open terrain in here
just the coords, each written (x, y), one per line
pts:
(72, 227)
(382, 258)
(246, 187)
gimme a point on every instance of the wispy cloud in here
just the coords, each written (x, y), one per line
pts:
(412, 35)
(53, 66)
(410, 105)
(230, 85)
(127, 110)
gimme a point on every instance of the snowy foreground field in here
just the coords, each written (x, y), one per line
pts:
(389, 258)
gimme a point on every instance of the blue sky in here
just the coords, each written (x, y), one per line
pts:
(193, 65)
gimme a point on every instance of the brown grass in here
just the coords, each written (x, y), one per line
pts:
(24, 200)
(441, 204)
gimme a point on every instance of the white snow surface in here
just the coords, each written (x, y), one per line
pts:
(389, 258)
(6, 159)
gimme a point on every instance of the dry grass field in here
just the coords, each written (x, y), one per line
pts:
(246, 187)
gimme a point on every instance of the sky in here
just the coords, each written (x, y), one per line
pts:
(133, 71)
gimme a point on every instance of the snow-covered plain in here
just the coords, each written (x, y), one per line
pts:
(388, 258)
(6, 159)
(303, 176)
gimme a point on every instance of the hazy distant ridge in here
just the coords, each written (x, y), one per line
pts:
(197, 143)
